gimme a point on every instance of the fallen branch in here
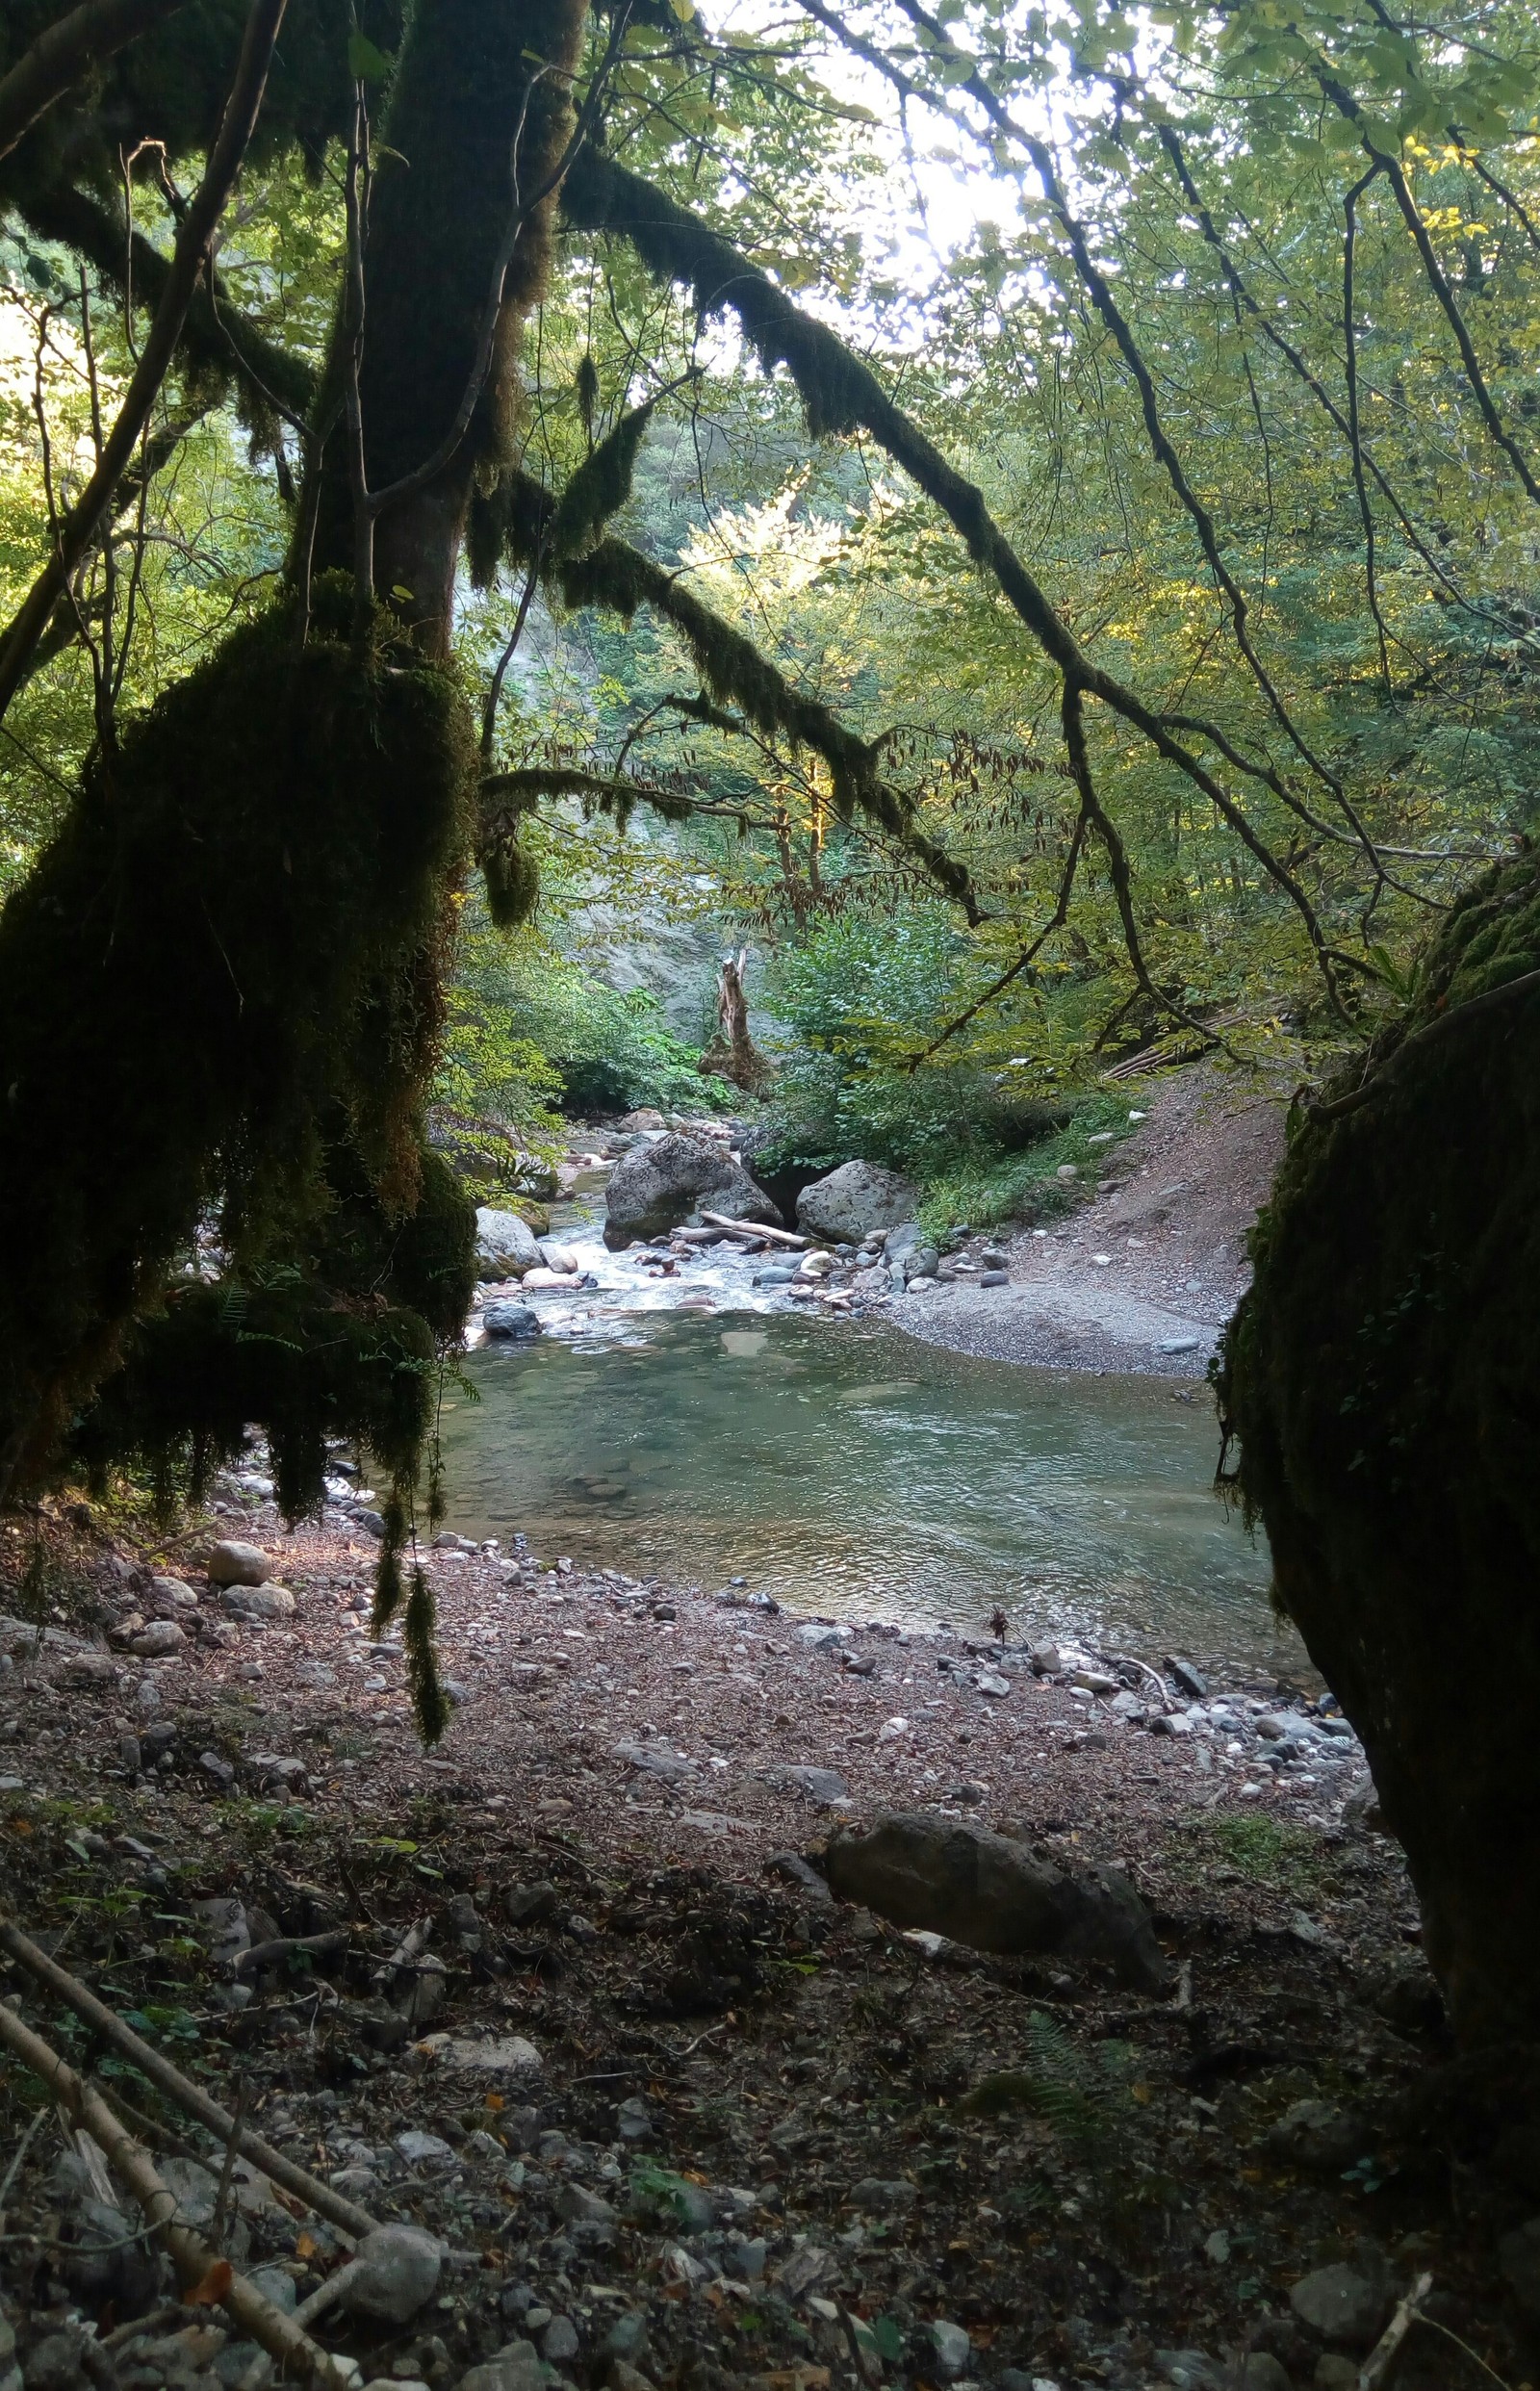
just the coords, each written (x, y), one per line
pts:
(286, 2343)
(268, 1954)
(189, 2097)
(753, 1229)
(1382, 2356)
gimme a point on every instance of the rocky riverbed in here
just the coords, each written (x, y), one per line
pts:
(586, 2009)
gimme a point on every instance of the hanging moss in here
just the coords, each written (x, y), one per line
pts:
(613, 574)
(233, 936)
(599, 487)
(1383, 1377)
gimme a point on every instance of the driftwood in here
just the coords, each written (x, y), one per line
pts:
(197, 2266)
(190, 2098)
(753, 1229)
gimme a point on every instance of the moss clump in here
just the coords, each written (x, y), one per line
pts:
(1383, 1377)
(220, 999)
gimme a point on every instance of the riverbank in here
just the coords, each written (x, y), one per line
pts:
(1144, 1275)
(1013, 2171)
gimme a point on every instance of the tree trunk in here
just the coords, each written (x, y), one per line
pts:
(201, 976)
(478, 120)
(1383, 1377)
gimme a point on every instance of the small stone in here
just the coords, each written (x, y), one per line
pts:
(267, 1601)
(516, 2368)
(1317, 2135)
(558, 2343)
(625, 2341)
(624, 2376)
(952, 2349)
(879, 2197)
(1336, 2374)
(1190, 1681)
(238, 1564)
(825, 1786)
(995, 1686)
(420, 2150)
(1188, 2370)
(398, 2270)
(633, 2119)
(1260, 2371)
(158, 1639)
(216, 1767)
(1341, 2305)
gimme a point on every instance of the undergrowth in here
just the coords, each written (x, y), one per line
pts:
(987, 1190)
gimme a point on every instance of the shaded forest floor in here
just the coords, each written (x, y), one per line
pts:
(751, 2117)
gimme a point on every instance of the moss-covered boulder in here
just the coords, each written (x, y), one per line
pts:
(1384, 1378)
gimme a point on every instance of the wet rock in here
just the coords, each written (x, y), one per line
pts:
(238, 1564)
(1341, 2305)
(1190, 1681)
(952, 2349)
(855, 1203)
(510, 1319)
(506, 1246)
(988, 1891)
(661, 1184)
(267, 1601)
(1317, 2135)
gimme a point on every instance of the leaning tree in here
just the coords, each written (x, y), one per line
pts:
(1279, 270)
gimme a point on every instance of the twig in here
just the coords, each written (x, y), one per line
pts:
(242, 2096)
(1382, 2356)
(285, 2342)
(194, 245)
(20, 2154)
(265, 1954)
(190, 2098)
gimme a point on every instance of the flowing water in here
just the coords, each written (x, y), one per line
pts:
(849, 1471)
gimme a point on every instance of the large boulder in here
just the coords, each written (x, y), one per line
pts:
(988, 1891)
(855, 1201)
(506, 1246)
(665, 1182)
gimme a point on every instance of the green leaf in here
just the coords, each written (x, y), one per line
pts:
(365, 63)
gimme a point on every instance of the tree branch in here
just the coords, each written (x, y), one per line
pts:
(194, 243)
(65, 51)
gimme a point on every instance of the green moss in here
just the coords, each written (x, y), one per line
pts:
(1384, 1378)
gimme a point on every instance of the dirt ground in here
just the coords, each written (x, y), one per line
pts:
(760, 2138)
(1144, 1274)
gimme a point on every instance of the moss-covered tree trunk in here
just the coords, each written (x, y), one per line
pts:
(1383, 1377)
(219, 987)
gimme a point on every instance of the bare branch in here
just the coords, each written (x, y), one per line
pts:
(65, 51)
(193, 243)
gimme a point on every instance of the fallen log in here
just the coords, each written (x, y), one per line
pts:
(753, 1229)
(198, 2267)
(190, 2098)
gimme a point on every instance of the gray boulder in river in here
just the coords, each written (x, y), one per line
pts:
(855, 1201)
(506, 1246)
(988, 1891)
(665, 1182)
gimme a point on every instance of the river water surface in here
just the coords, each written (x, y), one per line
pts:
(849, 1470)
